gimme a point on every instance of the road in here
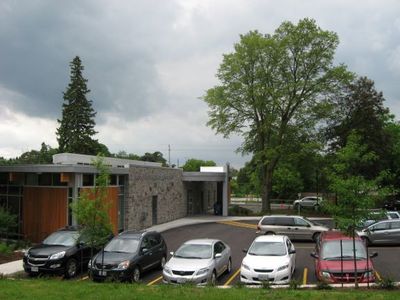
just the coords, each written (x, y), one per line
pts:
(239, 235)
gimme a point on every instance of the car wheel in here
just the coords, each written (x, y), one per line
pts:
(136, 274)
(270, 233)
(213, 279)
(366, 241)
(296, 206)
(229, 266)
(162, 263)
(316, 236)
(71, 268)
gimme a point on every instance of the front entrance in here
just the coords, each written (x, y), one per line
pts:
(203, 198)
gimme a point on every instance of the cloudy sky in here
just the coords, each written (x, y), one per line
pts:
(148, 62)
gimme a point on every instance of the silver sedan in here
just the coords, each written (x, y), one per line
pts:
(199, 261)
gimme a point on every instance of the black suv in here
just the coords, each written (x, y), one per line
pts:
(62, 252)
(129, 254)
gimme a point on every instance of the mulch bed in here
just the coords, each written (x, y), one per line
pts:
(5, 258)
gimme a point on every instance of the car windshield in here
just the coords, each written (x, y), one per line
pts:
(267, 249)
(64, 238)
(122, 245)
(312, 222)
(331, 250)
(199, 251)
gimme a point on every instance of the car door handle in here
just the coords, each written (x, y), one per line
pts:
(296, 229)
(289, 228)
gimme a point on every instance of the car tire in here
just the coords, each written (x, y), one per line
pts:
(71, 268)
(136, 274)
(213, 279)
(316, 236)
(162, 262)
(229, 266)
(270, 233)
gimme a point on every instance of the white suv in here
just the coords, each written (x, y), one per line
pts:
(310, 202)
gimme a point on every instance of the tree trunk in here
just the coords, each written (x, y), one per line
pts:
(266, 189)
(355, 259)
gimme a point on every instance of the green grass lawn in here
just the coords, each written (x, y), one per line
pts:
(63, 289)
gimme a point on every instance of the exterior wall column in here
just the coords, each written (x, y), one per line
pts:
(225, 192)
(77, 183)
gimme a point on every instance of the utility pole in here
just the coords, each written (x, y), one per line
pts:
(169, 155)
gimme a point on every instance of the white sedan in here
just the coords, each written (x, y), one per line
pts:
(270, 258)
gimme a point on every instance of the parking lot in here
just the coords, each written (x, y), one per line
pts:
(239, 235)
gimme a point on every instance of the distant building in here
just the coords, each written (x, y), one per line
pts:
(141, 194)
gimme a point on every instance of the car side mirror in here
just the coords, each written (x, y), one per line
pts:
(375, 254)
(313, 254)
(293, 251)
(217, 255)
(245, 250)
(145, 250)
(172, 253)
(81, 244)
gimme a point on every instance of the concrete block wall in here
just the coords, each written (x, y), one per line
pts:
(146, 182)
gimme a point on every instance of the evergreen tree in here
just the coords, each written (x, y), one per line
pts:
(77, 124)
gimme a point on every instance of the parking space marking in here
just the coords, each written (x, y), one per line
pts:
(378, 276)
(238, 224)
(232, 277)
(305, 276)
(155, 281)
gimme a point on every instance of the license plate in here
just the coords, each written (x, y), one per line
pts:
(103, 273)
(34, 269)
(263, 277)
(181, 280)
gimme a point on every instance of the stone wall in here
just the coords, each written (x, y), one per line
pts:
(144, 184)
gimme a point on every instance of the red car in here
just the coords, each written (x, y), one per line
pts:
(328, 262)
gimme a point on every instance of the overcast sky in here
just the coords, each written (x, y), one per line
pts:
(148, 62)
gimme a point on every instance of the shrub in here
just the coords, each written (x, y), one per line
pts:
(265, 284)
(237, 210)
(323, 285)
(5, 249)
(386, 283)
(294, 284)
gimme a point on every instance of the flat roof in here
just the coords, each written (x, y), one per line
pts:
(204, 176)
(58, 169)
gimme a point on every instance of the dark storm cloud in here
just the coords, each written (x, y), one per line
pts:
(116, 44)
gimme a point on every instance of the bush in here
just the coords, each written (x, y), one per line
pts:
(386, 283)
(266, 284)
(323, 285)
(237, 210)
(5, 249)
(294, 284)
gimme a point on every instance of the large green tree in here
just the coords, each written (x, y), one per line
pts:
(76, 131)
(272, 87)
(361, 110)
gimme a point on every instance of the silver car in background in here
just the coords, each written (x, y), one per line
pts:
(382, 232)
(199, 261)
(295, 227)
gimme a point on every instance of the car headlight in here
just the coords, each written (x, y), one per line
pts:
(89, 264)
(57, 255)
(245, 266)
(325, 275)
(202, 271)
(281, 268)
(124, 265)
(167, 270)
(26, 253)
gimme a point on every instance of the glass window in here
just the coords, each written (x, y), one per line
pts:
(268, 221)
(300, 222)
(218, 247)
(122, 245)
(88, 180)
(284, 221)
(194, 251)
(380, 226)
(394, 225)
(113, 179)
(267, 249)
(3, 178)
(331, 250)
(63, 238)
(32, 179)
(45, 179)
